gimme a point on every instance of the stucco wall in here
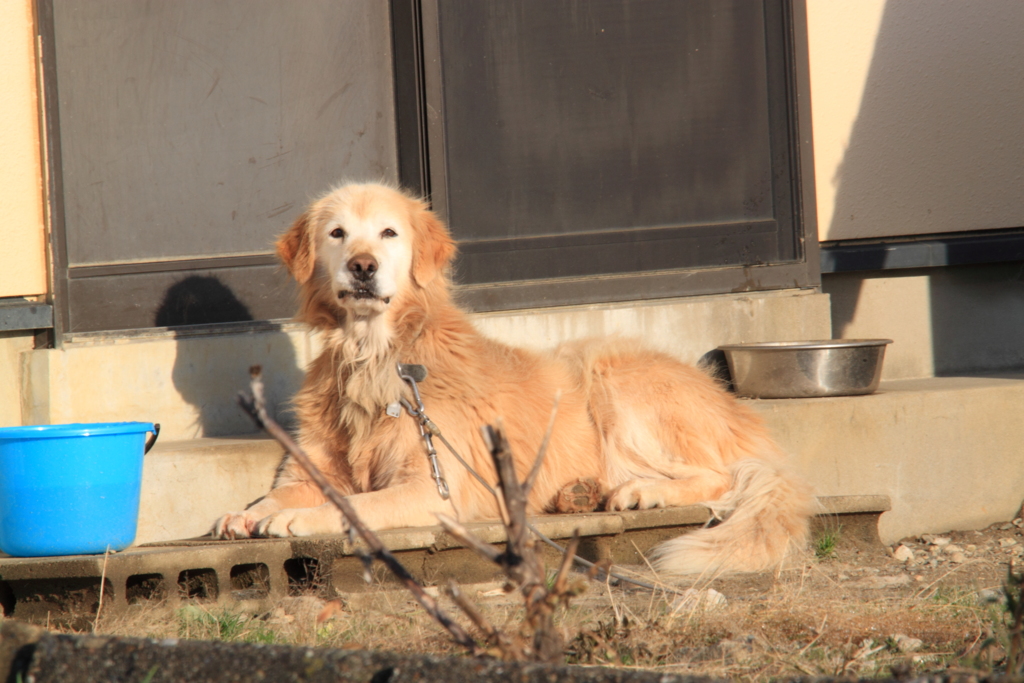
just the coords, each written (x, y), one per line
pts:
(13, 349)
(916, 108)
(22, 264)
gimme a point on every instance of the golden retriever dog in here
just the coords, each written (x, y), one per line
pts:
(372, 264)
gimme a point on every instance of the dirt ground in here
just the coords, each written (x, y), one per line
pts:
(843, 608)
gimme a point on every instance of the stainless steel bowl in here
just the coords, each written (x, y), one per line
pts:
(835, 367)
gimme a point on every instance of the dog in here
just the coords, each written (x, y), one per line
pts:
(372, 265)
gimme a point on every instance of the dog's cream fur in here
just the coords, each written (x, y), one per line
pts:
(652, 431)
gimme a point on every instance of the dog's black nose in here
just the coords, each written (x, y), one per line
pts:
(362, 266)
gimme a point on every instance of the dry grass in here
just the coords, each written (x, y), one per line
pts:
(849, 613)
(817, 619)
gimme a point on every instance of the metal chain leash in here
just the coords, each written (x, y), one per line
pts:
(412, 374)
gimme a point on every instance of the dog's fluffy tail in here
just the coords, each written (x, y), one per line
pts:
(765, 517)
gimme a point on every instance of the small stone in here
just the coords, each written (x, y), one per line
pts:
(957, 558)
(940, 541)
(919, 578)
(927, 538)
(1007, 542)
(1017, 522)
(989, 596)
(1005, 527)
(902, 554)
(971, 548)
(906, 643)
(693, 599)
(952, 549)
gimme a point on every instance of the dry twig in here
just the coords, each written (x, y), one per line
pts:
(520, 560)
(103, 584)
(255, 406)
(543, 450)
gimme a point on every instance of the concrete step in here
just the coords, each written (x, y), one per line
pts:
(255, 573)
(186, 485)
(947, 451)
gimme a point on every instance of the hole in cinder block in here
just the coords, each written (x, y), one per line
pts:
(7, 599)
(145, 588)
(303, 574)
(198, 584)
(250, 581)
(384, 675)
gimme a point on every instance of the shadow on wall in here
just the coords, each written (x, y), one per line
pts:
(938, 147)
(209, 370)
(978, 318)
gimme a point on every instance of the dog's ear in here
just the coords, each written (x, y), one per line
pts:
(434, 247)
(296, 249)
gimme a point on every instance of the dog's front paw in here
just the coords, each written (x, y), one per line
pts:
(301, 522)
(235, 525)
(635, 494)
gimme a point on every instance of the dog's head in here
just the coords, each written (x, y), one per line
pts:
(366, 245)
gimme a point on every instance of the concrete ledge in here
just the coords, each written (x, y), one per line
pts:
(947, 450)
(186, 485)
(256, 572)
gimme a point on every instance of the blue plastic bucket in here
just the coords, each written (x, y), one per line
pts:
(71, 489)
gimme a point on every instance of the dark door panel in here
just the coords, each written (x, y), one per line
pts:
(613, 136)
(610, 252)
(607, 150)
(199, 128)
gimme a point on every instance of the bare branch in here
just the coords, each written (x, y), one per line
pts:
(492, 634)
(466, 538)
(523, 564)
(255, 406)
(543, 450)
(562, 578)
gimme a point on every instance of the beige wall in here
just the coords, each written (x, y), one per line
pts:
(958, 320)
(189, 384)
(13, 349)
(22, 246)
(916, 109)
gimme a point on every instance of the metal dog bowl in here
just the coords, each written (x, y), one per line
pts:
(835, 367)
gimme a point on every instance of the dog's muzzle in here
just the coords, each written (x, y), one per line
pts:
(362, 268)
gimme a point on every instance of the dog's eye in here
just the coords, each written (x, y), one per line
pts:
(388, 232)
(337, 233)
